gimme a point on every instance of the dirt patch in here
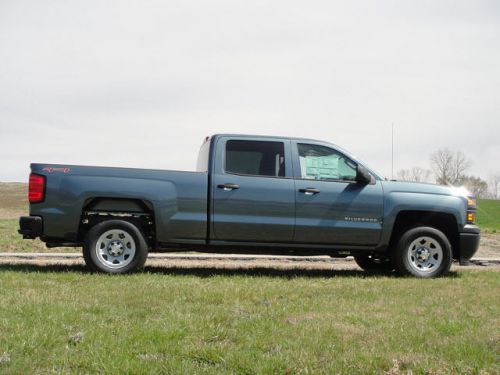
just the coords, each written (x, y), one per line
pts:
(215, 265)
(489, 246)
(12, 213)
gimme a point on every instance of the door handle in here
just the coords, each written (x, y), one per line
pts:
(309, 191)
(228, 186)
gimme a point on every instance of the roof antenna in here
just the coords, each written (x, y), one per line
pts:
(392, 152)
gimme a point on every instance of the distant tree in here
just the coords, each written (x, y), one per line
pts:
(416, 174)
(448, 166)
(403, 175)
(475, 185)
(494, 184)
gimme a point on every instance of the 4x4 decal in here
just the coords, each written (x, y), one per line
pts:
(59, 169)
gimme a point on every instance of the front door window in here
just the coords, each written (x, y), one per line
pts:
(323, 163)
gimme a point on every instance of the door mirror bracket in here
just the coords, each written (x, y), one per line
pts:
(362, 175)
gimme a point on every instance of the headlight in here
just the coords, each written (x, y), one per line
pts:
(471, 210)
(471, 202)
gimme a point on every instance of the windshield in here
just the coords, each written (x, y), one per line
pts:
(377, 175)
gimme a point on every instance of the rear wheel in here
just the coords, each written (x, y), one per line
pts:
(423, 252)
(115, 246)
(372, 263)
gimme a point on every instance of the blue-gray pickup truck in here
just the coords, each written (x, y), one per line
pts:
(253, 194)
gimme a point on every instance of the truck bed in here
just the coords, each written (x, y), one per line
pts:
(177, 199)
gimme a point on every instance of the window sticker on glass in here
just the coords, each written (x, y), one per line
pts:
(323, 163)
(319, 167)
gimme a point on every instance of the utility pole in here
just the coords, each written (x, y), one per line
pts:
(392, 152)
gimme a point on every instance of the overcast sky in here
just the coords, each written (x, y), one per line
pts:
(141, 83)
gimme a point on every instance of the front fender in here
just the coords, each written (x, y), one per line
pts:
(396, 202)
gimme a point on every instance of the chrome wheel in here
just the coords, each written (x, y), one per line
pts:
(425, 254)
(115, 248)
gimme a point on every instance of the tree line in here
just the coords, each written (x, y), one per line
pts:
(449, 167)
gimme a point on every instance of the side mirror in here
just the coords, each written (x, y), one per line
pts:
(362, 175)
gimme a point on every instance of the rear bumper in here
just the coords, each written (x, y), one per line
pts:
(30, 227)
(469, 243)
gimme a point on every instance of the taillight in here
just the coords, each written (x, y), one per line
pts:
(36, 192)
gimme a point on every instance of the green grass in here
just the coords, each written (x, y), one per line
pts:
(14, 195)
(11, 241)
(53, 321)
(488, 214)
(13, 204)
(170, 320)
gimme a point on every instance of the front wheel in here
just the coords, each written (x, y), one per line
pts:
(423, 252)
(115, 246)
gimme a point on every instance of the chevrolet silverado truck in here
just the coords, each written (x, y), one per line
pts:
(253, 194)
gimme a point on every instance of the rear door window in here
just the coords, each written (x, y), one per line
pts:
(256, 158)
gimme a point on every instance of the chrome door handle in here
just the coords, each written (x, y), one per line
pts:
(228, 186)
(309, 191)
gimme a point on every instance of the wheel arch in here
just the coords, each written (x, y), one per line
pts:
(110, 204)
(139, 212)
(445, 222)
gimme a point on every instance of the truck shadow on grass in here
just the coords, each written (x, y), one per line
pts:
(210, 271)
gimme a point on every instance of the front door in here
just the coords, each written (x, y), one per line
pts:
(253, 191)
(331, 208)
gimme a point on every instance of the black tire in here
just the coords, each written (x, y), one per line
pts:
(423, 252)
(371, 263)
(106, 257)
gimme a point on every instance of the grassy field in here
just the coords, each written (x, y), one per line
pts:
(488, 215)
(11, 241)
(62, 319)
(13, 199)
(13, 203)
(65, 320)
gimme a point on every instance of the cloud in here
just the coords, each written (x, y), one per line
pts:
(142, 83)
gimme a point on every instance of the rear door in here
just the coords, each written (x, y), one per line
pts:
(253, 190)
(331, 208)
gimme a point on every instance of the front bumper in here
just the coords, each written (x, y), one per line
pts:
(469, 243)
(30, 227)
